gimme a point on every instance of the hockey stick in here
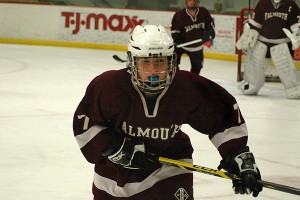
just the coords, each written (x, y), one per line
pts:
(223, 174)
(188, 43)
(117, 58)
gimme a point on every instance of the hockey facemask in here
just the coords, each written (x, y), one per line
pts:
(152, 61)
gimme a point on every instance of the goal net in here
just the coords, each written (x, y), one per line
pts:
(271, 74)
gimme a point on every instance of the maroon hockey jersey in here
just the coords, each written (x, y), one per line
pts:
(269, 20)
(186, 28)
(113, 102)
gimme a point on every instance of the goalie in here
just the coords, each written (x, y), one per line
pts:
(273, 33)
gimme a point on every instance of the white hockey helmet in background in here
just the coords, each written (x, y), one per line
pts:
(151, 41)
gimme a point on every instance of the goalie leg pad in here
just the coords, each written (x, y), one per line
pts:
(287, 72)
(255, 67)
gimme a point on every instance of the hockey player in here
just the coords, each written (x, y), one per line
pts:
(129, 117)
(272, 33)
(192, 23)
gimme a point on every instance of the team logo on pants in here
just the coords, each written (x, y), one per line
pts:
(181, 194)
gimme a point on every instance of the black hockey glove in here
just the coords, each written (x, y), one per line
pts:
(208, 35)
(243, 165)
(130, 153)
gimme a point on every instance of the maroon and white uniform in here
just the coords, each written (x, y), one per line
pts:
(186, 28)
(113, 102)
(269, 21)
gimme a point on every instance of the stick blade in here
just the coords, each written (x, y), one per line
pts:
(117, 58)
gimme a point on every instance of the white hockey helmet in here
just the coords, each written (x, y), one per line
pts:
(151, 41)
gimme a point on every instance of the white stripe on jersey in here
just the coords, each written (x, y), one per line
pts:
(229, 134)
(129, 189)
(88, 135)
(273, 41)
(193, 49)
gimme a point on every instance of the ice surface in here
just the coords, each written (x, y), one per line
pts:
(40, 88)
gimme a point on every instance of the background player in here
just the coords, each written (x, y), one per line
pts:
(268, 35)
(192, 23)
(129, 117)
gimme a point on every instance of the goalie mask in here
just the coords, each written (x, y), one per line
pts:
(151, 58)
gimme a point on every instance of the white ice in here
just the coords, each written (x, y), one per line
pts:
(40, 88)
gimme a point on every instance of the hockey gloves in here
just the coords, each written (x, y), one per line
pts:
(243, 165)
(130, 153)
(248, 38)
(208, 35)
(294, 37)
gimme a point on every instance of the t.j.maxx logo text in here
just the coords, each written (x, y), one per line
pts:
(114, 22)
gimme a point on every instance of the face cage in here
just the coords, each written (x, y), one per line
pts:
(146, 85)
